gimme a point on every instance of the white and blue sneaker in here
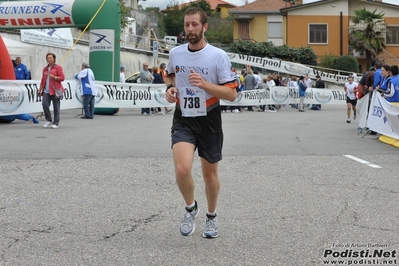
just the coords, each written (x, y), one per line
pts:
(211, 230)
(187, 226)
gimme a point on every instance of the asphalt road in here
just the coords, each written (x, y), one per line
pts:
(102, 192)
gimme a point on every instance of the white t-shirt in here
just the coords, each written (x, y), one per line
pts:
(122, 78)
(212, 63)
(214, 66)
(308, 83)
(258, 80)
(349, 88)
(270, 83)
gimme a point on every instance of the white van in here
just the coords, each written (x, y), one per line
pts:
(169, 42)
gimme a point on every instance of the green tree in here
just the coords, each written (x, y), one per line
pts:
(327, 61)
(202, 4)
(303, 55)
(347, 63)
(173, 18)
(125, 13)
(220, 29)
(367, 34)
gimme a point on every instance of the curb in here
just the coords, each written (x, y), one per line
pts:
(390, 141)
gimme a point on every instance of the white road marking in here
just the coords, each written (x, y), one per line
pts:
(362, 161)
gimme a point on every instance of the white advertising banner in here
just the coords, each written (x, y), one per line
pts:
(362, 110)
(285, 67)
(383, 117)
(56, 37)
(102, 40)
(286, 95)
(35, 14)
(19, 96)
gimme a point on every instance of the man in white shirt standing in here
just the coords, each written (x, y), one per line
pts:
(122, 78)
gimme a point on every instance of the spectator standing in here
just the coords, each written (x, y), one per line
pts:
(157, 80)
(302, 90)
(161, 72)
(276, 79)
(366, 82)
(235, 108)
(198, 124)
(319, 85)
(307, 81)
(122, 78)
(180, 38)
(386, 78)
(242, 77)
(293, 83)
(146, 77)
(392, 93)
(269, 81)
(88, 90)
(52, 76)
(377, 75)
(249, 84)
(21, 71)
(257, 79)
(377, 78)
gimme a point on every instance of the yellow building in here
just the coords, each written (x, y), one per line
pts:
(259, 21)
(324, 26)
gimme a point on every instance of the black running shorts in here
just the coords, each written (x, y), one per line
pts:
(209, 145)
(353, 102)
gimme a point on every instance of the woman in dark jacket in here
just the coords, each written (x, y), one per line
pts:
(302, 91)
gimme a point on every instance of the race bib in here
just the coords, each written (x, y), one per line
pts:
(192, 102)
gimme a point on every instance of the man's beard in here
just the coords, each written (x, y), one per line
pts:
(194, 38)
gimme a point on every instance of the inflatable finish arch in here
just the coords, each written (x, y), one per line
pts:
(104, 30)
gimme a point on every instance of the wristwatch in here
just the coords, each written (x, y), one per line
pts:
(169, 86)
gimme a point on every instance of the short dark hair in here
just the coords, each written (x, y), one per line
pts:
(52, 55)
(197, 10)
(386, 67)
(394, 70)
(378, 64)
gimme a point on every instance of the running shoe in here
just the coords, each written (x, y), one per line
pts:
(348, 120)
(354, 117)
(187, 226)
(211, 230)
(47, 124)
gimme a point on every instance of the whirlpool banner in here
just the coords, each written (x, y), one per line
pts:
(20, 96)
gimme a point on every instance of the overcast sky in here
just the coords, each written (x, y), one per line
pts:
(163, 3)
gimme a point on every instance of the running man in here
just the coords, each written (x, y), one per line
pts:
(351, 100)
(198, 75)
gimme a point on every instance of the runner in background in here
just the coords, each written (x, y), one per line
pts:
(351, 100)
